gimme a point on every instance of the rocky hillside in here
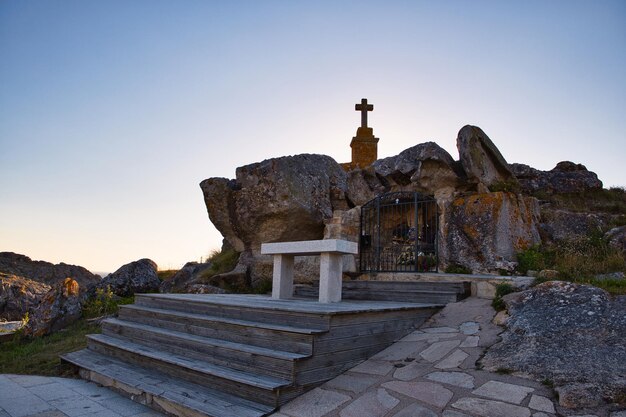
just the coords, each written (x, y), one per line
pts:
(45, 272)
(489, 210)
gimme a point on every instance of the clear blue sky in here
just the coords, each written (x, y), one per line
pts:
(112, 112)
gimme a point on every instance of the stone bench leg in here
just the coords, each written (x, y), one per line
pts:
(282, 279)
(330, 278)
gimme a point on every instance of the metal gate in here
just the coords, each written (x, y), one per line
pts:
(399, 233)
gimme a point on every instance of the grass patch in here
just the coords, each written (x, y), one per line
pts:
(502, 289)
(40, 356)
(579, 261)
(166, 274)
(221, 262)
(457, 269)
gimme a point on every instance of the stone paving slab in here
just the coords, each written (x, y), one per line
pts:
(37, 396)
(432, 372)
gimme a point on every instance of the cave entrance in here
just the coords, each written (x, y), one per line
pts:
(399, 233)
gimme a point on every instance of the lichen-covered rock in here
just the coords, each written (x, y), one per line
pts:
(59, 307)
(564, 225)
(484, 232)
(617, 238)
(570, 334)
(19, 296)
(566, 177)
(426, 166)
(483, 163)
(364, 185)
(135, 277)
(41, 271)
(279, 199)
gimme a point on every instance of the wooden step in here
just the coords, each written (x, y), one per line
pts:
(235, 355)
(407, 291)
(160, 391)
(275, 336)
(261, 310)
(260, 388)
(413, 296)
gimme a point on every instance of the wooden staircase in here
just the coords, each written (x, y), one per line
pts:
(236, 355)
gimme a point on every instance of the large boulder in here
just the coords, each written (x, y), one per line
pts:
(19, 296)
(482, 161)
(365, 185)
(572, 335)
(563, 225)
(279, 199)
(185, 275)
(426, 166)
(617, 238)
(135, 277)
(60, 307)
(566, 177)
(41, 271)
(484, 232)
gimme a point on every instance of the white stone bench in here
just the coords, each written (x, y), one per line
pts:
(330, 251)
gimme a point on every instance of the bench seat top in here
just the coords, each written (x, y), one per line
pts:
(310, 247)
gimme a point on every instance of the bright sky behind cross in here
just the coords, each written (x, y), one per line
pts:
(112, 112)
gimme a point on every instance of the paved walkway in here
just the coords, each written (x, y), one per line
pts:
(429, 373)
(27, 395)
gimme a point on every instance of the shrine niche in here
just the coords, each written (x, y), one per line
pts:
(399, 234)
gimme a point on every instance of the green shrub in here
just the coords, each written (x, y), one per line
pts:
(221, 262)
(534, 258)
(104, 303)
(502, 289)
(457, 269)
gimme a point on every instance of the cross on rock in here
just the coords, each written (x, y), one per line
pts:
(364, 108)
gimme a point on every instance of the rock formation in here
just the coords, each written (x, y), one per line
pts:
(185, 275)
(483, 163)
(135, 277)
(19, 295)
(571, 335)
(45, 272)
(426, 167)
(484, 232)
(565, 177)
(60, 307)
(486, 215)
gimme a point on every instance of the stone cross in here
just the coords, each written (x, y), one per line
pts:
(364, 108)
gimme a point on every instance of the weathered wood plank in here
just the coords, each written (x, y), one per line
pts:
(204, 401)
(290, 339)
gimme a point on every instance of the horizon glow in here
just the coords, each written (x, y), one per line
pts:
(112, 113)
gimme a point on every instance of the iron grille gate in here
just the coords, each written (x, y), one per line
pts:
(399, 233)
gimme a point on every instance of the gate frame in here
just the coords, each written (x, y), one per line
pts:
(413, 198)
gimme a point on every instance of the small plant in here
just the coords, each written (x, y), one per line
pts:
(104, 303)
(502, 289)
(458, 269)
(547, 382)
(504, 371)
(534, 258)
